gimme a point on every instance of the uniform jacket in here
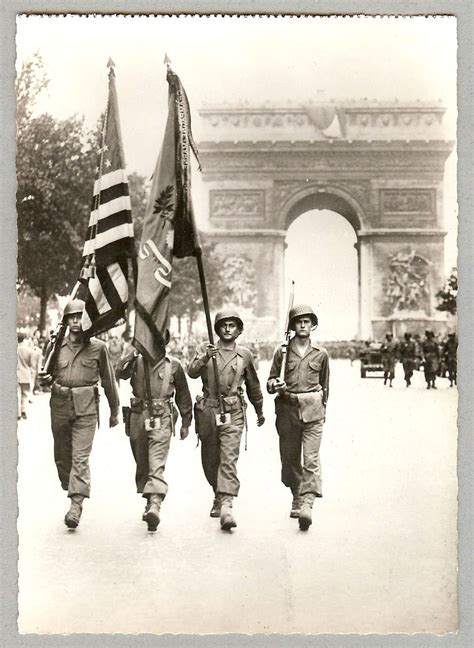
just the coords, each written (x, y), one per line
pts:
(84, 365)
(25, 364)
(407, 350)
(131, 366)
(227, 364)
(389, 349)
(431, 354)
(430, 350)
(303, 374)
(450, 348)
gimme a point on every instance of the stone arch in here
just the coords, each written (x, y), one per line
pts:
(383, 172)
(328, 197)
(334, 199)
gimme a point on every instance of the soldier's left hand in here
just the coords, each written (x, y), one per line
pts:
(184, 432)
(113, 421)
(45, 379)
(260, 420)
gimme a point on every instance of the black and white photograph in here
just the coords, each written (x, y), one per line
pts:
(237, 278)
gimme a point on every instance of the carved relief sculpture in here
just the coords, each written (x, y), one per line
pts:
(407, 284)
(227, 204)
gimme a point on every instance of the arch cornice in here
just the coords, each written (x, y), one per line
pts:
(288, 211)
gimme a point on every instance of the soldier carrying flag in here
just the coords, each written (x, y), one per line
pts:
(77, 362)
(158, 379)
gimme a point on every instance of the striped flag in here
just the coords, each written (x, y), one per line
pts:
(109, 240)
(168, 226)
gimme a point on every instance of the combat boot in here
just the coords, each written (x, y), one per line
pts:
(296, 504)
(73, 516)
(227, 519)
(152, 516)
(304, 517)
(147, 506)
(215, 511)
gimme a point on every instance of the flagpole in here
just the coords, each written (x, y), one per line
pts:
(202, 278)
(205, 301)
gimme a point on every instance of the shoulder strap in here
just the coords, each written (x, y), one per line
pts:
(166, 378)
(146, 369)
(238, 374)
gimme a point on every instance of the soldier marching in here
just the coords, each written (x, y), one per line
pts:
(299, 380)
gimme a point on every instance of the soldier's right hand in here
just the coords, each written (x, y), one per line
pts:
(279, 385)
(211, 351)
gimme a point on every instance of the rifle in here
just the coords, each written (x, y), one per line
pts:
(49, 366)
(287, 333)
(52, 358)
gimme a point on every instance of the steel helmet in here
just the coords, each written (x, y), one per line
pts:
(298, 311)
(74, 306)
(228, 314)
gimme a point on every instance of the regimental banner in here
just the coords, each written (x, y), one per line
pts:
(168, 227)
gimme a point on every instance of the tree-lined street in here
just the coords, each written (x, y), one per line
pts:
(380, 556)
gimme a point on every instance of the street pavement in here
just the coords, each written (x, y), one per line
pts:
(379, 558)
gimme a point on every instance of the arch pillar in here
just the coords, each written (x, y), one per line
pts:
(265, 250)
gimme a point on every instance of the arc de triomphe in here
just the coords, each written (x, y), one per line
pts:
(380, 166)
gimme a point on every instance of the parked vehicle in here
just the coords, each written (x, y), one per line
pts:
(371, 359)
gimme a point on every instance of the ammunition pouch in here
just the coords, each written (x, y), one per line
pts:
(232, 403)
(160, 406)
(204, 418)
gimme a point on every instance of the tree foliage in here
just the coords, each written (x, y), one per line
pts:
(186, 297)
(230, 282)
(238, 275)
(447, 296)
(55, 165)
(138, 200)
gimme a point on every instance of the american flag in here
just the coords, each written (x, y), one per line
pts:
(109, 240)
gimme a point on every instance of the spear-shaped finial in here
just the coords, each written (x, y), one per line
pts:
(110, 63)
(167, 61)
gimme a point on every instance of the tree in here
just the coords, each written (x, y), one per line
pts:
(238, 275)
(186, 297)
(448, 294)
(138, 199)
(56, 162)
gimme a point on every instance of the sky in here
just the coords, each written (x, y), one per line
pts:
(269, 60)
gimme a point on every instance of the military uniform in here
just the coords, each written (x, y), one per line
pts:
(450, 350)
(407, 350)
(431, 359)
(151, 447)
(74, 409)
(389, 359)
(300, 413)
(220, 444)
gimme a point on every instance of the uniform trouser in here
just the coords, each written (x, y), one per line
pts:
(452, 366)
(73, 436)
(296, 436)
(150, 450)
(408, 366)
(220, 447)
(389, 370)
(430, 373)
(23, 394)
